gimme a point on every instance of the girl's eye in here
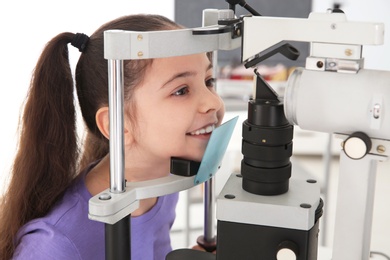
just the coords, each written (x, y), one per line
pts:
(210, 82)
(181, 92)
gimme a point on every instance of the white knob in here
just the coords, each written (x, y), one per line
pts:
(286, 254)
(357, 145)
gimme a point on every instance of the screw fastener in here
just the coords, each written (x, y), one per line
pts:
(348, 52)
(381, 149)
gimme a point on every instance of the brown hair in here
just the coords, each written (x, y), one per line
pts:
(48, 152)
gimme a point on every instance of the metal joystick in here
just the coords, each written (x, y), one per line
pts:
(357, 145)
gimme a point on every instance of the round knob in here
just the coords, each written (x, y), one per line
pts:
(357, 145)
(286, 254)
(287, 250)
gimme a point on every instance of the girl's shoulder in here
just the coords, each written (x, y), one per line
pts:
(40, 240)
(65, 230)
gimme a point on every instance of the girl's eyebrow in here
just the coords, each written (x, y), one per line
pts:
(179, 75)
(183, 75)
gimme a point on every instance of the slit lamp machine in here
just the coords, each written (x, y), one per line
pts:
(264, 212)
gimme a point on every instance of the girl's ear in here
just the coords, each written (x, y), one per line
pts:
(103, 123)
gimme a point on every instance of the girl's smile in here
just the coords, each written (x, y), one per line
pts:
(204, 131)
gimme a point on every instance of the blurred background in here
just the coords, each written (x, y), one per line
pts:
(26, 26)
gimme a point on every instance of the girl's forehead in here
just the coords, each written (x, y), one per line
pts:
(189, 62)
(164, 71)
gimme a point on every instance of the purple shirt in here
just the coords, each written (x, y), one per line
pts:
(66, 232)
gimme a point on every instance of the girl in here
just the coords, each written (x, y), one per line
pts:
(170, 108)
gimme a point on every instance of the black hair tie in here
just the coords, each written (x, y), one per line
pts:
(80, 41)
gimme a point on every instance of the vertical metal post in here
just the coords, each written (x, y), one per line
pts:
(208, 240)
(115, 95)
(327, 159)
(209, 208)
(117, 236)
(354, 210)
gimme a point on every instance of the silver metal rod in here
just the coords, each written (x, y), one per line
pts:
(209, 208)
(209, 231)
(115, 96)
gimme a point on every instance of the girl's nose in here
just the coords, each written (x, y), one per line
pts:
(210, 101)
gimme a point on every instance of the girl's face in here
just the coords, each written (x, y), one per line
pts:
(177, 107)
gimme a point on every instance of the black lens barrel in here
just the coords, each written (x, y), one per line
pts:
(267, 148)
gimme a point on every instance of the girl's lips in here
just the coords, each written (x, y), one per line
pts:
(205, 136)
(203, 131)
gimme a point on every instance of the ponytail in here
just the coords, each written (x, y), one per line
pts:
(46, 159)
